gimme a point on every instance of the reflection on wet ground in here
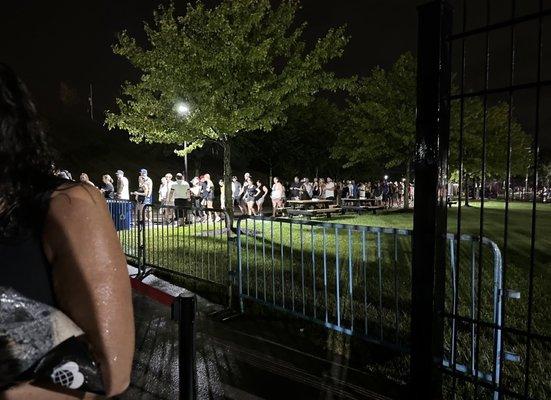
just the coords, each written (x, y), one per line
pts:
(235, 360)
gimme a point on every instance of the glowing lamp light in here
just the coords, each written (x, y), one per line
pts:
(182, 108)
(386, 177)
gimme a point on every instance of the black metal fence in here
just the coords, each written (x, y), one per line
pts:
(484, 55)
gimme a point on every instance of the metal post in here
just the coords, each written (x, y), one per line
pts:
(186, 177)
(184, 310)
(430, 213)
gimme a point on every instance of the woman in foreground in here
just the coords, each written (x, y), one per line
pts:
(60, 253)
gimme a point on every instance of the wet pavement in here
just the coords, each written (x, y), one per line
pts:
(237, 358)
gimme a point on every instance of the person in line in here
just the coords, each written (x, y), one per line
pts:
(321, 188)
(85, 179)
(123, 192)
(235, 190)
(207, 192)
(361, 190)
(249, 191)
(220, 215)
(306, 189)
(169, 202)
(144, 195)
(260, 196)
(182, 199)
(107, 189)
(277, 196)
(330, 190)
(294, 189)
(163, 191)
(70, 248)
(242, 202)
(315, 189)
(196, 199)
(62, 173)
(163, 196)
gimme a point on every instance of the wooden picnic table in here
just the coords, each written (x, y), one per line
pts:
(305, 204)
(311, 208)
(357, 202)
(360, 205)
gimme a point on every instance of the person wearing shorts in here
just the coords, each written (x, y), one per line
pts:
(262, 191)
(208, 194)
(277, 196)
(249, 193)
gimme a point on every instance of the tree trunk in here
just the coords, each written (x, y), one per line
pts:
(227, 180)
(406, 186)
(466, 179)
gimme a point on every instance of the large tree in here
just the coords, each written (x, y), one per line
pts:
(380, 126)
(301, 146)
(500, 134)
(237, 68)
(380, 119)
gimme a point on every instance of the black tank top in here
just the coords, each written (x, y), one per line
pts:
(23, 264)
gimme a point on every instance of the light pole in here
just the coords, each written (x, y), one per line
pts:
(182, 109)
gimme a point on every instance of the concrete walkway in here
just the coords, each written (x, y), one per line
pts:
(236, 359)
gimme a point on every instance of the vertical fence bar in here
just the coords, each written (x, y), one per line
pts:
(282, 265)
(337, 277)
(430, 212)
(325, 274)
(350, 279)
(273, 261)
(483, 192)
(313, 270)
(364, 270)
(512, 36)
(535, 167)
(184, 310)
(291, 264)
(302, 269)
(240, 265)
(380, 276)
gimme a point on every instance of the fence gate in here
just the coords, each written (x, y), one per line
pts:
(484, 92)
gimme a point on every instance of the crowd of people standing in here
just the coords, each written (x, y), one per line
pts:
(249, 197)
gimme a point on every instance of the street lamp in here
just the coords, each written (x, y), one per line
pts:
(182, 109)
(386, 177)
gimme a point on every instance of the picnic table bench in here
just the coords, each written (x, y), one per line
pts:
(311, 208)
(450, 202)
(360, 205)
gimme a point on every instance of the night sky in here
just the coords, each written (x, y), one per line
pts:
(68, 43)
(49, 42)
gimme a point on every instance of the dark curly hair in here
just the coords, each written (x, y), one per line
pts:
(25, 159)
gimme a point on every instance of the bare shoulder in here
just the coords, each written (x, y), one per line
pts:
(70, 196)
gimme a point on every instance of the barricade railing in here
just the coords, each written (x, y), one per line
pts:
(348, 278)
(123, 213)
(476, 292)
(189, 242)
(357, 280)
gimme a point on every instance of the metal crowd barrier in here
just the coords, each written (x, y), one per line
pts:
(187, 241)
(357, 280)
(123, 213)
(351, 279)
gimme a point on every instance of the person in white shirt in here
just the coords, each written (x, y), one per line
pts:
(123, 192)
(330, 189)
(181, 193)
